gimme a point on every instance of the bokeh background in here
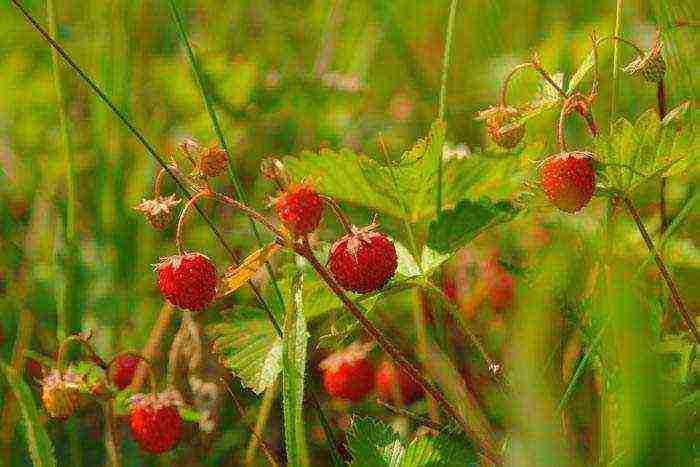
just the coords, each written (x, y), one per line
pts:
(288, 76)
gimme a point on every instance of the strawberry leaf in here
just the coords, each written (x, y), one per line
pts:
(362, 180)
(248, 345)
(374, 444)
(454, 228)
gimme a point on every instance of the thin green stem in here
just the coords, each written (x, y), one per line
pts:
(675, 294)
(443, 91)
(616, 50)
(209, 105)
(149, 148)
(66, 306)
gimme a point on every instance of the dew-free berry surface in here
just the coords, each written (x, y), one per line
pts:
(351, 380)
(569, 180)
(187, 281)
(363, 262)
(124, 369)
(300, 209)
(156, 429)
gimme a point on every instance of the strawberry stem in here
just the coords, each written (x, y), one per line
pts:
(485, 442)
(680, 306)
(183, 215)
(338, 213)
(63, 349)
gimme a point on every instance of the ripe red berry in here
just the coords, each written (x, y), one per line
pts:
(569, 180)
(155, 422)
(300, 209)
(500, 284)
(124, 369)
(363, 261)
(396, 386)
(187, 281)
(349, 374)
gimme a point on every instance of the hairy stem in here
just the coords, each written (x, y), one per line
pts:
(209, 105)
(661, 102)
(680, 306)
(485, 443)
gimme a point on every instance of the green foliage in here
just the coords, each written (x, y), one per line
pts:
(636, 152)
(375, 444)
(361, 180)
(248, 345)
(38, 441)
(581, 72)
(293, 375)
(456, 227)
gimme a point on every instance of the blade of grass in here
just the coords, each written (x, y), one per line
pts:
(68, 306)
(209, 105)
(139, 136)
(443, 90)
(616, 50)
(240, 193)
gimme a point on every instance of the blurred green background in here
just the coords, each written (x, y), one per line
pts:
(288, 76)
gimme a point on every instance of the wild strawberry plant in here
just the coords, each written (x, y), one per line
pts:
(310, 330)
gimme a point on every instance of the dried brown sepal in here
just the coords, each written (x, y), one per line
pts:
(651, 65)
(502, 125)
(158, 211)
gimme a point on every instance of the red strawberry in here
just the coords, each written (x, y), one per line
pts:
(396, 386)
(363, 261)
(500, 284)
(569, 180)
(300, 209)
(349, 374)
(155, 422)
(187, 281)
(125, 368)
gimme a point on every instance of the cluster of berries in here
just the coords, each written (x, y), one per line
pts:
(362, 261)
(350, 374)
(155, 420)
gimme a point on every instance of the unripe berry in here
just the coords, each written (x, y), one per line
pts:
(568, 179)
(61, 394)
(363, 261)
(300, 209)
(187, 281)
(651, 65)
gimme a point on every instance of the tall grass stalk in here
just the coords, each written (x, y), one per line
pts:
(443, 90)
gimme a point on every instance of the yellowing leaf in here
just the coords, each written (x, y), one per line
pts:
(236, 277)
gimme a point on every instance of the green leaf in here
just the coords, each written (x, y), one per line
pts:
(454, 228)
(374, 444)
(38, 441)
(583, 69)
(249, 346)
(189, 415)
(443, 450)
(362, 180)
(635, 153)
(293, 372)
(407, 265)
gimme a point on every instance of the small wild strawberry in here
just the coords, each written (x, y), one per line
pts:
(60, 393)
(125, 367)
(502, 125)
(569, 180)
(158, 211)
(500, 284)
(349, 374)
(155, 421)
(651, 65)
(300, 209)
(395, 385)
(363, 261)
(187, 281)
